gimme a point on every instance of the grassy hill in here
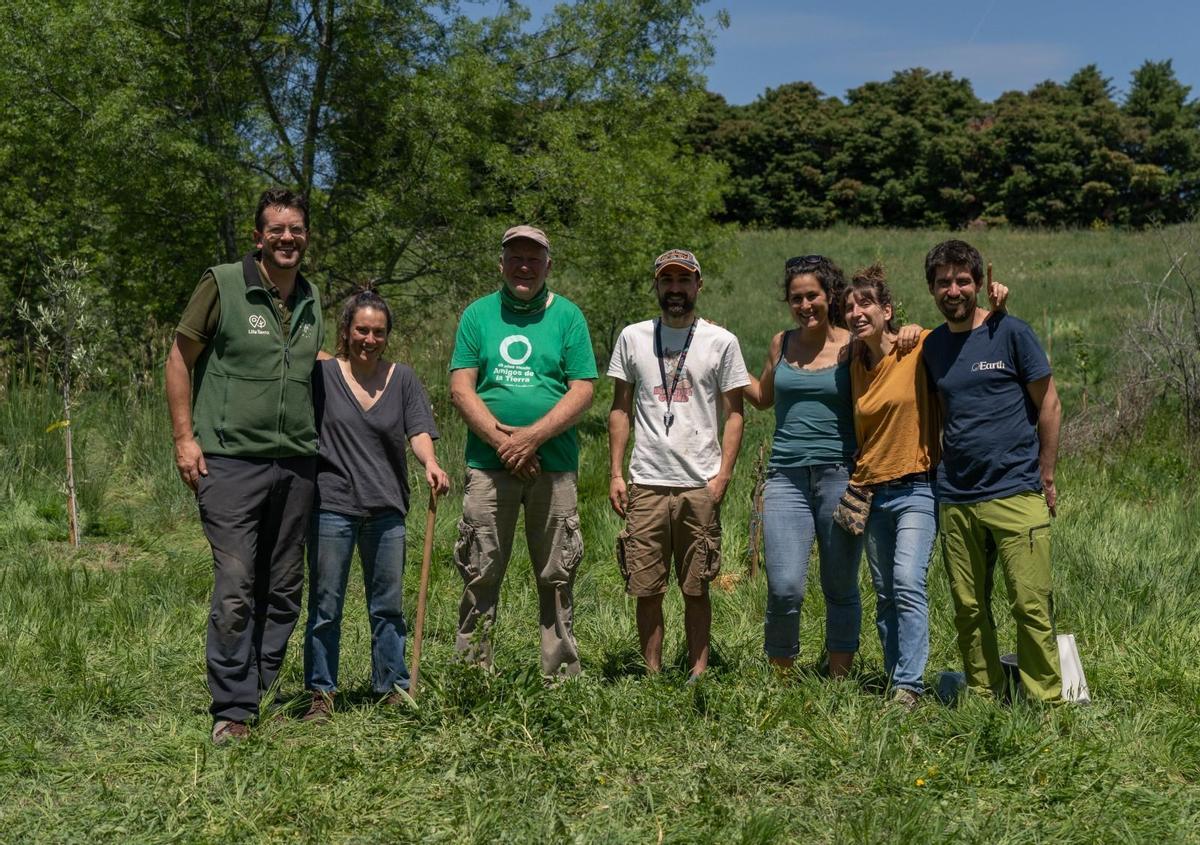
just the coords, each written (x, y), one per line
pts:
(104, 728)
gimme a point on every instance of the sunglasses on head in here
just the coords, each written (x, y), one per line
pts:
(804, 261)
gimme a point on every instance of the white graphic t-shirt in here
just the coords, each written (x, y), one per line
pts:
(690, 453)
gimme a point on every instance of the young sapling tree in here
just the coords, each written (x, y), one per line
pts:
(69, 328)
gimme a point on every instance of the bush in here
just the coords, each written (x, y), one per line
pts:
(1165, 345)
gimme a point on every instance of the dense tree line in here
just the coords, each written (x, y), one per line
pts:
(138, 134)
(922, 150)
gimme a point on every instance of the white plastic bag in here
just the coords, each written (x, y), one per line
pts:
(1075, 686)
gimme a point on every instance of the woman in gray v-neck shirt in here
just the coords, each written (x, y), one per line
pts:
(368, 412)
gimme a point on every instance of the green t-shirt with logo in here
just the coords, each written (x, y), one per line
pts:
(524, 363)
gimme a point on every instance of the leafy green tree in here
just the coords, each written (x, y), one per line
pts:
(776, 150)
(123, 148)
(141, 133)
(1166, 145)
(921, 150)
(909, 138)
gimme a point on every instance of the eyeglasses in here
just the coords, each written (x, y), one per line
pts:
(274, 232)
(804, 261)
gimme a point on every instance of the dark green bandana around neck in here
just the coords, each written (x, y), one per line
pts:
(524, 306)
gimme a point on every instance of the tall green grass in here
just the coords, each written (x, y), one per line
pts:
(104, 727)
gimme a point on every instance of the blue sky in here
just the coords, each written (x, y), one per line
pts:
(1000, 45)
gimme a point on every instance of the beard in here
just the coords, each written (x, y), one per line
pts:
(957, 312)
(676, 304)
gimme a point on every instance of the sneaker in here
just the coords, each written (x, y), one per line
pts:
(320, 709)
(905, 698)
(226, 730)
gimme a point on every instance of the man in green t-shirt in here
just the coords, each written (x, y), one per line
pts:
(521, 376)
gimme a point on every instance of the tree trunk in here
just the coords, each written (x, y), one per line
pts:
(72, 507)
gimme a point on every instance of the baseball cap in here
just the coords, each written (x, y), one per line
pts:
(680, 257)
(524, 231)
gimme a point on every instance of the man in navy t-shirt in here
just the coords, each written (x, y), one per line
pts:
(995, 482)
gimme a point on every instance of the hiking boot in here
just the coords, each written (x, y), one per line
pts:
(905, 698)
(320, 709)
(226, 730)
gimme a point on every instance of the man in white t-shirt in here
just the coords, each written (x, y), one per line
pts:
(671, 375)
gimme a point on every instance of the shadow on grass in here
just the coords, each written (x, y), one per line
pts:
(870, 679)
(716, 662)
(626, 662)
(292, 707)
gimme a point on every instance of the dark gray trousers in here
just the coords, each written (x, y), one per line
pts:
(255, 514)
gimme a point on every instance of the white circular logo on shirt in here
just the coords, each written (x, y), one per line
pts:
(257, 321)
(508, 342)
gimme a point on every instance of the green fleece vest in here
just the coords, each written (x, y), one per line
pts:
(251, 388)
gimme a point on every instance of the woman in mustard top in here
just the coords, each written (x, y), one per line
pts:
(896, 425)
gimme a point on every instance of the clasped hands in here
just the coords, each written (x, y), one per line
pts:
(518, 450)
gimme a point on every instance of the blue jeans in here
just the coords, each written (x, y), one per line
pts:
(380, 540)
(798, 505)
(900, 532)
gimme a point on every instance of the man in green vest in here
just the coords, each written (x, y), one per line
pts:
(245, 442)
(521, 376)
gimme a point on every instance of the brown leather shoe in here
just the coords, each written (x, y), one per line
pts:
(225, 731)
(320, 709)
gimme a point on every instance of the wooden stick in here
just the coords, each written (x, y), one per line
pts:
(756, 515)
(422, 592)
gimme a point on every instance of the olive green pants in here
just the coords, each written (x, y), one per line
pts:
(1014, 531)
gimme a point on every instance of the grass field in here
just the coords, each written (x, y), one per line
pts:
(103, 720)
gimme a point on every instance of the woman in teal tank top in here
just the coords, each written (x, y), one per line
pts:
(807, 378)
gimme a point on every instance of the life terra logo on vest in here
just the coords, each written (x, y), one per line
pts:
(258, 325)
(515, 350)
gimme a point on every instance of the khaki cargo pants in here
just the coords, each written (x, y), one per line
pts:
(491, 504)
(1014, 531)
